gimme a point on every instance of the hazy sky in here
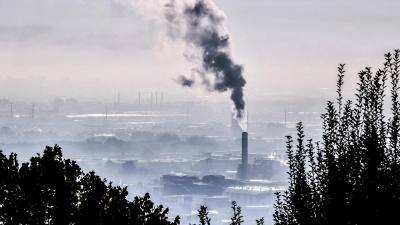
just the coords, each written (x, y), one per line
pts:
(285, 46)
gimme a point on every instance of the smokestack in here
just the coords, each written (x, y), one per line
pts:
(245, 149)
(245, 155)
(156, 98)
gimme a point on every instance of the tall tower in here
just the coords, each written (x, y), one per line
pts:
(244, 167)
(245, 149)
(245, 155)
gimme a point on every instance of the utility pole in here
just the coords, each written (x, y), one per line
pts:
(33, 111)
(285, 118)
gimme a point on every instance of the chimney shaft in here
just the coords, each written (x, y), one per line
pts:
(245, 150)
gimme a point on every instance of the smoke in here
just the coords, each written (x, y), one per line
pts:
(199, 25)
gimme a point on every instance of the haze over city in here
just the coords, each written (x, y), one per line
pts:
(189, 101)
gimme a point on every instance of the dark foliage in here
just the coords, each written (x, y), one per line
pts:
(129, 166)
(114, 143)
(167, 137)
(353, 175)
(202, 213)
(53, 190)
(237, 218)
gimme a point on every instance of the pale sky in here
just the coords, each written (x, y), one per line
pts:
(285, 46)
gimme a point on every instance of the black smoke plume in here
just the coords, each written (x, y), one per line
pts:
(200, 24)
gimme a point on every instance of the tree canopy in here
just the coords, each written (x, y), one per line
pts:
(51, 190)
(353, 175)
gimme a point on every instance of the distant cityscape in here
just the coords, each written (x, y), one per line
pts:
(184, 153)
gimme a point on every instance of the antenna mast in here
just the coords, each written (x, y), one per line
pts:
(33, 111)
(285, 118)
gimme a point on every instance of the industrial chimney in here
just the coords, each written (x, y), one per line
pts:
(245, 149)
(243, 168)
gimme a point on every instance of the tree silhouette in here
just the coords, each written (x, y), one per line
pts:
(353, 175)
(53, 190)
(236, 219)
